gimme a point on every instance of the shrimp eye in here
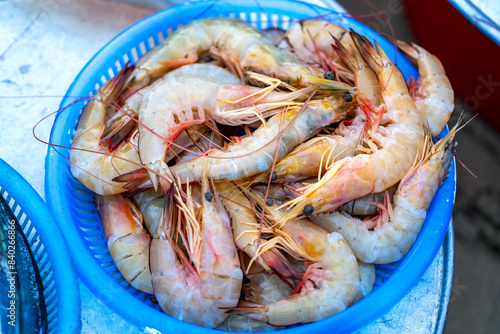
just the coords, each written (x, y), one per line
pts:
(308, 210)
(207, 59)
(347, 97)
(269, 201)
(451, 147)
(209, 196)
(273, 177)
(329, 75)
(287, 40)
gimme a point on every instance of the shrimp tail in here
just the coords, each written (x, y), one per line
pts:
(381, 53)
(366, 49)
(160, 174)
(117, 83)
(135, 181)
(144, 178)
(168, 217)
(343, 53)
(408, 50)
(116, 131)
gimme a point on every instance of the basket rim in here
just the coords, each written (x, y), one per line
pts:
(36, 210)
(379, 302)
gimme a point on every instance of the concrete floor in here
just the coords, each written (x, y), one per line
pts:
(474, 306)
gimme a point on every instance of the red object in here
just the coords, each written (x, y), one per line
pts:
(469, 57)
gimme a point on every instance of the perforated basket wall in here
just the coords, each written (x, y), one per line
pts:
(73, 204)
(60, 285)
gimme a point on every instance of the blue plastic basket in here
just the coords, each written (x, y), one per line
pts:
(73, 204)
(60, 284)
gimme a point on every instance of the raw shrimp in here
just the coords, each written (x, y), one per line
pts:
(92, 163)
(397, 145)
(118, 127)
(327, 287)
(195, 289)
(399, 224)
(308, 159)
(434, 96)
(246, 231)
(311, 41)
(255, 154)
(231, 37)
(242, 48)
(367, 280)
(167, 109)
(128, 242)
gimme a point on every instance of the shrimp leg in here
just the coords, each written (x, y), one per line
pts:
(311, 41)
(179, 102)
(242, 48)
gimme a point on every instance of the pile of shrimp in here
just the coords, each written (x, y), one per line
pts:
(251, 184)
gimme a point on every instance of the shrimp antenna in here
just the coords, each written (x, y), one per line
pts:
(461, 118)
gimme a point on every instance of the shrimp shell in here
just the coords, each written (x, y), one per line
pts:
(241, 46)
(197, 289)
(128, 242)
